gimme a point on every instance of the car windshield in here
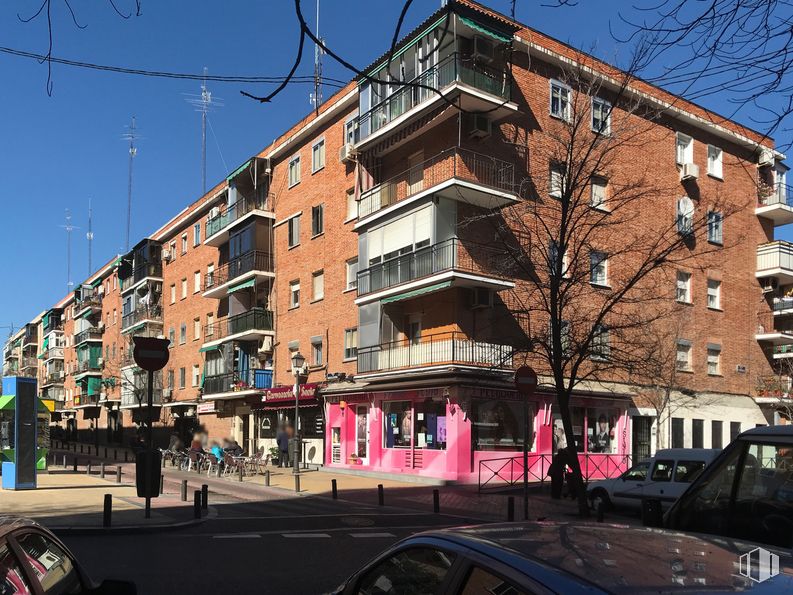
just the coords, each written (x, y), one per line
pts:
(638, 472)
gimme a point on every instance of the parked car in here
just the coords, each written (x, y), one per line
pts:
(33, 560)
(513, 559)
(663, 477)
(746, 493)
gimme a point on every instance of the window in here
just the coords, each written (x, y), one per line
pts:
(196, 328)
(351, 272)
(352, 205)
(482, 581)
(714, 359)
(173, 249)
(397, 423)
(210, 324)
(685, 149)
(677, 432)
(683, 355)
(351, 131)
(498, 425)
(735, 429)
(638, 472)
(173, 293)
(210, 275)
(318, 285)
(600, 343)
(317, 220)
(685, 216)
(662, 470)
(414, 570)
(553, 255)
(196, 234)
(294, 170)
(51, 564)
(184, 288)
(556, 182)
(316, 352)
(560, 100)
(115, 316)
(429, 424)
(714, 162)
(182, 334)
(318, 155)
(350, 343)
(687, 471)
(293, 231)
(172, 337)
(697, 433)
(196, 281)
(184, 243)
(715, 225)
(294, 294)
(601, 116)
(714, 294)
(683, 287)
(601, 430)
(598, 262)
(716, 433)
(170, 379)
(597, 199)
(196, 375)
(182, 378)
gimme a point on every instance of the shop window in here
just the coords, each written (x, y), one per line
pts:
(498, 425)
(602, 430)
(268, 423)
(397, 424)
(429, 425)
(578, 415)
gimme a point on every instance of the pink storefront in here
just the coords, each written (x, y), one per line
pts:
(469, 434)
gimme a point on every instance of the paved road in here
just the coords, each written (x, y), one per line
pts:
(297, 545)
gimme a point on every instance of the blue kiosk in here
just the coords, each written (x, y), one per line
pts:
(20, 434)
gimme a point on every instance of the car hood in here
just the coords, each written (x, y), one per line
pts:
(623, 559)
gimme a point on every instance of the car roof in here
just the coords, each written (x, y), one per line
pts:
(11, 523)
(766, 431)
(677, 453)
(616, 558)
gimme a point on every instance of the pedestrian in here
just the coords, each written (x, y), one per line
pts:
(175, 443)
(217, 452)
(556, 473)
(282, 440)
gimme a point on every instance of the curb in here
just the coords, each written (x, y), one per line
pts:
(132, 529)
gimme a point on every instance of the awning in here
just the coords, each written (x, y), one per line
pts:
(243, 285)
(209, 348)
(285, 394)
(415, 292)
(482, 29)
(239, 170)
(96, 282)
(94, 386)
(85, 314)
(45, 320)
(44, 346)
(7, 402)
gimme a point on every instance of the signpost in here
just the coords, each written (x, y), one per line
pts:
(526, 384)
(151, 354)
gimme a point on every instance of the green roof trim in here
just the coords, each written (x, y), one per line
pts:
(239, 170)
(243, 285)
(482, 29)
(96, 283)
(415, 292)
(209, 348)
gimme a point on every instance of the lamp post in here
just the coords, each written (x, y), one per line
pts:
(297, 368)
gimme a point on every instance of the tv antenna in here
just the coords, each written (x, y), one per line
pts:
(130, 135)
(315, 98)
(69, 229)
(90, 237)
(203, 104)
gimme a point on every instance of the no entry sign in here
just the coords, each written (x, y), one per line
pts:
(525, 381)
(150, 353)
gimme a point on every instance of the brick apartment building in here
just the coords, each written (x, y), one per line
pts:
(350, 240)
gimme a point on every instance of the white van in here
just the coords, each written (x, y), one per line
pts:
(663, 477)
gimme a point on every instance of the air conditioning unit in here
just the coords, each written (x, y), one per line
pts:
(101, 326)
(267, 345)
(480, 126)
(214, 212)
(62, 374)
(690, 171)
(766, 158)
(166, 255)
(770, 284)
(484, 49)
(347, 153)
(166, 393)
(481, 297)
(101, 362)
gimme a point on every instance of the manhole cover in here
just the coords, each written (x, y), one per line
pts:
(357, 521)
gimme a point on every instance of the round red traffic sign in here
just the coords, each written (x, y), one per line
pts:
(525, 380)
(150, 353)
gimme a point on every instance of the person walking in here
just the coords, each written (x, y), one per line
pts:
(556, 473)
(282, 440)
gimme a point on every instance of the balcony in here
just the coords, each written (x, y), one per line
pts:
(773, 388)
(29, 363)
(226, 279)
(92, 303)
(456, 173)
(451, 262)
(54, 377)
(141, 316)
(775, 202)
(450, 349)
(481, 89)
(53, 353)
(147, 270)
(775, 259)
(91, 334)
(84, 401)
(216, 229)
(88, 367)
(246, 382)
(773, 330)
(240, 327)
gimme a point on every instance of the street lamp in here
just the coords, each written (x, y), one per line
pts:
(297, 368)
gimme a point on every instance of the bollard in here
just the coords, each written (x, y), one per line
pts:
(107, 510)
(97, 450)
(197, 504)
(184, 490)
(125, 456)
(380, 495)
(217, 469)
(240, 471)
(102, 470)
(297, 482)
(118, 473)
(88, 468)
(163, 462)
(74, 465)
(64, 461)
(334, 489)
(105, 451)
(162, 484)
(436, 501)
(115, 454)
(511, 508)
(267, 477)
(205, 496)
(600, 511)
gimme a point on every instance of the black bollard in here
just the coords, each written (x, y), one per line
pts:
(102, 470)
(74, 465)
(115, 454)
(436, 501)
(64, 461)
(105, 451)
(118, 473)
(97, 450)
(163, 462)
(267, 477)
(184, 490)
(107, 510)
(511, 508)
(197, 504)
(125, 456)
(380, 495)
(162, 484)
(205, 496)
(297, 483)
(240, 471)
(334, 489)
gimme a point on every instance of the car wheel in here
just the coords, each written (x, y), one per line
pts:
(600, 496)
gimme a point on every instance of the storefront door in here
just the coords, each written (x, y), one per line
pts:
(361, 431)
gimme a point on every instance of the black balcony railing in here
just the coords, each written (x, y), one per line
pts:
(140, 272)
(238, 381)
(454, 163)
(257, 319)
(452, 69)
(139, 315)
(231, 213)
(432, 350)
(444, 256)
(255, 260)
(91, 334)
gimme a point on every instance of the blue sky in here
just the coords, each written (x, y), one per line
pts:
(58, 151)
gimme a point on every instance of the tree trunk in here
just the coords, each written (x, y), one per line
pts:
(578, 479)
